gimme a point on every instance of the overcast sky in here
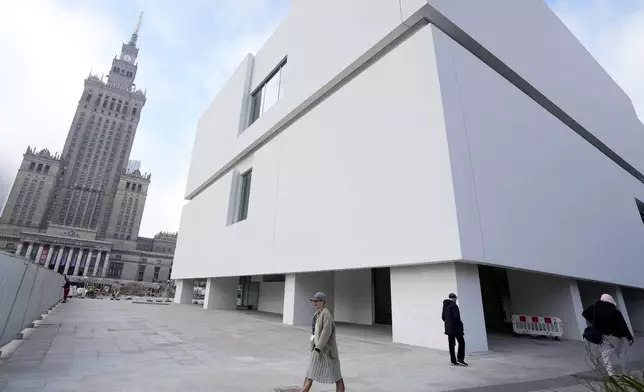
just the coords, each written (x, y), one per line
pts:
(187, 50)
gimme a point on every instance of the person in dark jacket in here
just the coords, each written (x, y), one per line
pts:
(454, 330)
(66, 287)
(608, 320)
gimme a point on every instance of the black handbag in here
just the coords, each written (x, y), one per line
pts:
(592, 334)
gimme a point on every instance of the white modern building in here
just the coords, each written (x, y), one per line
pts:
(390, 152)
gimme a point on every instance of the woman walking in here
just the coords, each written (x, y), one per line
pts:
(324, 363)
(609, 321)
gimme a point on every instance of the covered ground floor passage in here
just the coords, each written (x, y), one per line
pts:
(407, 301)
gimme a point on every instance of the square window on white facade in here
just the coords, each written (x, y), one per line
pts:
(267, 94)
(242, 196)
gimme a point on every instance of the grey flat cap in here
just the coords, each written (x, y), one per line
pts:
(319, 296)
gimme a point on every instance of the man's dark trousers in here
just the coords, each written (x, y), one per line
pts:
(452, 339)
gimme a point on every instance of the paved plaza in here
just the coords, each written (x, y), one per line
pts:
(121, 346)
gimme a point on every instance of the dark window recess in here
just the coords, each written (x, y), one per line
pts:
(140, 273)
(115, 270)
(274, 278)
(46, 169)
(256, 106)
(31, 166)
(39, 168)
(156, 273)
(244, 195)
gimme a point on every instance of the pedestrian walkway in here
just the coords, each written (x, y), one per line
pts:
(120, 346)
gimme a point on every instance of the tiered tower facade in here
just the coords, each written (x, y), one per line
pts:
(89, 187)
(98, 147)
(79, 213)
(32, 189)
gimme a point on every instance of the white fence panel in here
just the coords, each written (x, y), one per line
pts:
(27, 290)
(537, 325)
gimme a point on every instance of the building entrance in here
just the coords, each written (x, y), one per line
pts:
(247, 293)
(382, 295)
(495, 292)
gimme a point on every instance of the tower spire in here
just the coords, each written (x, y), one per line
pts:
(135, 35)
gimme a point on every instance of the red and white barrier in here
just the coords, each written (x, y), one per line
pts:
(537, 326)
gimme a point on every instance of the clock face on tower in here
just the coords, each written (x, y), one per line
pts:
(127, 58)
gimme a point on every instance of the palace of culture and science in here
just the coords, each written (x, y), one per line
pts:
(79, 212)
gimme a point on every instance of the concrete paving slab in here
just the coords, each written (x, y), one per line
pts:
(115, 345)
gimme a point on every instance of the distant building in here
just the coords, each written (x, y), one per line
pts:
(80, 212)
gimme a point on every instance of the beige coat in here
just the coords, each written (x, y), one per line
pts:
(325, 334)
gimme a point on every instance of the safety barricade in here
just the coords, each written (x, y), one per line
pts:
(537, 326)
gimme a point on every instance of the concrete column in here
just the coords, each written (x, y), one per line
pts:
(30, 249)
(88, 260)
(575, 329)
(543, 295)
(298, 289)
(50, 253)
(79, 256)
(417, 295)
(97, 262)
(221, 293)
(184, 291)
(59, 258)
(41, 248)
(68, 262)
(621, 305)
(353, 296)
(19, 249)
(105, 264)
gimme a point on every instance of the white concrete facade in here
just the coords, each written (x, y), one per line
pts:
(298, 290)
(547, 295)
(353, 296)
(184, 291)
(221, 293)
(271, 297)
(427, 142)
(417, 294)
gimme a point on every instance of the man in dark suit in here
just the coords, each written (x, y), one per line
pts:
(454, 330)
